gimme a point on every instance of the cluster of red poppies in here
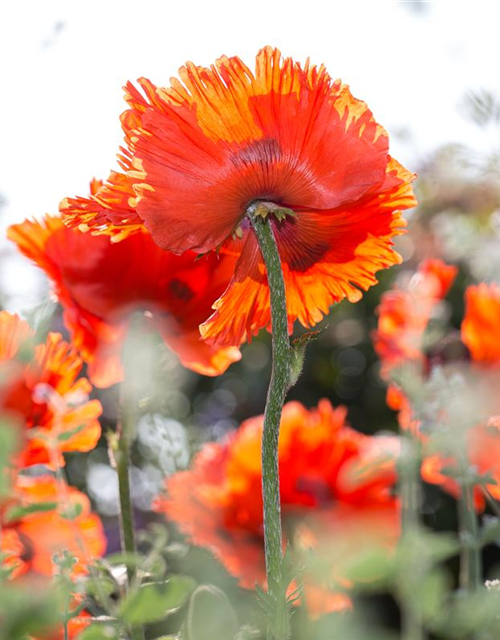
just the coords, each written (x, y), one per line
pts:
(47, 407)
(168, 235)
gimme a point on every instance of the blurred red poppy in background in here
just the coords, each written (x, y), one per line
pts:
(481, 323)
(336, 492)
(40, 390)
(100, 284)
(403, 317)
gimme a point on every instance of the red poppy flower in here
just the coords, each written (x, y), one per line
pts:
(42, 391)
(405, 313)
(100, 283)
(53, 518)
(202, 150)
(332, 479)
(403, 317)
(480, 330)
(481, 323)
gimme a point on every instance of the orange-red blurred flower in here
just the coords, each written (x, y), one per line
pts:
(405, 313)
(403, 317)
(333, 481)
(202, 150)
(100, 283)
(481, 323)
(40, 390)
(44, 517)
(483, 454)
(480, 333)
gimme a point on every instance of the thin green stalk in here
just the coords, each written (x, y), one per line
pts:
(121, 451)
(470, 559)
(279, 627)
(412, 627)
(409, 483)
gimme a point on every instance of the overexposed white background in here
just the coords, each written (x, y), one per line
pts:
(63, 63)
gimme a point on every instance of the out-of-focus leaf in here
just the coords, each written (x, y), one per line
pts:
(99, 631)
(155, 600)
(210, 615)
(432, 594)
(9, 441)
(27, 611)
(490, 531)
(427, 548)
(16, 513)
(370, 570)
(471, 615)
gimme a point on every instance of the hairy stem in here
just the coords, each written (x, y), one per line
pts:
(280, 380)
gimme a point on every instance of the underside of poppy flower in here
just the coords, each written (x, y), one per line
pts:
(201, 151)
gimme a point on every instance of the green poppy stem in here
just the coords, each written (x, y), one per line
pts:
(412, 627)
(470, 558)
(278, 621)
(120, 449)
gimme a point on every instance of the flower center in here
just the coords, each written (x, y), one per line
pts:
(263, 208)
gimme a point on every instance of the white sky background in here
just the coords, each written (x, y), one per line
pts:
(63, 63)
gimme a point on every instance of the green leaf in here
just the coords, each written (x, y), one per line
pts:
(67, 435)
(99, 631)
(432, 594)
(9, 443)
(490, 531)
(16, 513)
(210, 615)
(155, 600)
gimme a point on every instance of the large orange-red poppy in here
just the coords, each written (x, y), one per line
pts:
(202, 150)
(333, 481)
(100, 283)
(41, 391)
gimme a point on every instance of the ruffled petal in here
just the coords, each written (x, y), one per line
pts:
(107, 210)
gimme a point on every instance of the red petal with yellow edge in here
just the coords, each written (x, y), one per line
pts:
(107, 210)
(326, 256)
(99, 285)
(205, 148)
(481, 323)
